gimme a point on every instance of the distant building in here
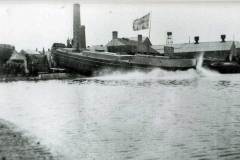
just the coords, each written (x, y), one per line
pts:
(220, 50)
(36, 62)
(130, 45)
(18, 60)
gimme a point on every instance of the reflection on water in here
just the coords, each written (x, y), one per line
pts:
(156, 115)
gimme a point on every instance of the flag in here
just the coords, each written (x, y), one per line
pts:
(141, 23)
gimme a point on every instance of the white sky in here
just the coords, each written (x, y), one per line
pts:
(36, 25)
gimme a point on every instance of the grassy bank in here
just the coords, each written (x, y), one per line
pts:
(15, 146)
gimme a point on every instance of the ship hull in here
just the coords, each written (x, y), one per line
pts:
(88, 65)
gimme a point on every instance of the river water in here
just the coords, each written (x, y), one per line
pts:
(192, 114)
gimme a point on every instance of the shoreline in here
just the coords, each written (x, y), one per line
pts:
(15, 145)
(40, 77)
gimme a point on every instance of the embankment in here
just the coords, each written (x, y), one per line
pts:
(15, 145)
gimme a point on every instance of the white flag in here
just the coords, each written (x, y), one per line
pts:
(141, 23)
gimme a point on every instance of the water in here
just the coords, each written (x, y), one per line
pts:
(147, 116)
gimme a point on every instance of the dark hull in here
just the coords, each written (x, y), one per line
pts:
(94, 66)
(225, 67)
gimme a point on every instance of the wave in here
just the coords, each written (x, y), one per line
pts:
(155, 74)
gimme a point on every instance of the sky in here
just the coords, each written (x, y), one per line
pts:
(37, 25)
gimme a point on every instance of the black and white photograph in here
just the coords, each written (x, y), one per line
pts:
(119, 80)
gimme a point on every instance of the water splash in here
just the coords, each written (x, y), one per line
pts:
(202, 70)
(155, 74)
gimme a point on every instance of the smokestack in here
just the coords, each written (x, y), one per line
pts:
(223, 36)
(76, 27)
(139, 38)
(196, 38)
(114, 35)
(83, 37)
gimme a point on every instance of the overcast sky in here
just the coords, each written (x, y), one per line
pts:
(37, 25)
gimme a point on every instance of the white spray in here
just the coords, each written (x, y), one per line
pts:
(204, 71)
(200, 61)
(155, 74)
